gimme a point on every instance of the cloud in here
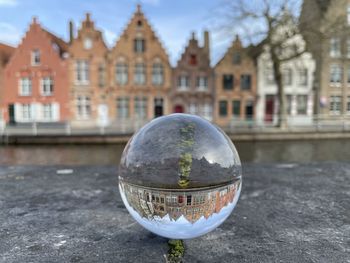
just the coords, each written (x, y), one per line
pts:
(8, 2)
(110, 37)
(9, 33)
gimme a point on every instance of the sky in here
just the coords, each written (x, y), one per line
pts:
(173, 21)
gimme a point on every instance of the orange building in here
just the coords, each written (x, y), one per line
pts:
(36, 79)
(5, 54)
(140, 74)
(235, 85)
(88, 79)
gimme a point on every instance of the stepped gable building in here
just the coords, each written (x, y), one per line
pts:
(36, 79)
(88, 75)
(5, 54)
(325, 25)
(235, 85)
(140, 73)
(193, 80)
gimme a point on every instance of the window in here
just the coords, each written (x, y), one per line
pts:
(180, 199)
(83, 107)
(348, 105)
(140, 74)
(301, 104)
(157, 74)
(88, 43)
(236, 60)
(36, 57)
(193, 108)
(25, 87)
(289, 104)
(348, 47)
(246, 82)
(335, 73)
(82, 71)
(189, 199)
(140, 105)
(335, 47)
(335, 104)
(47, 86)
(269, 76)
(223, 108)
(193, 59)
(122, 73)
(27, 112)
(303, 77)
(139, 45)
(228, 81)
(207, 111)
(47, 112)
(139, 23)
(249, 109)
(123, 108)
(202, 83)
(348, 14)
(183, 82)
(101, 75)
(287, 76)
(348, 75)
(236, 108)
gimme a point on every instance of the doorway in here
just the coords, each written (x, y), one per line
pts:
(12, 118)
(269, 107)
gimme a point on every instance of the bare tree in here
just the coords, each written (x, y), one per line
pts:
(273, 24)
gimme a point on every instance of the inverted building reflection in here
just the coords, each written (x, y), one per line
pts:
(192, 204)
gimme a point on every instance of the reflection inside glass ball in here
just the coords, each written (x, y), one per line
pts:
(180, 176)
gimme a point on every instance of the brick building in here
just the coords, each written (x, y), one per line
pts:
(5, 54)
(140, 74)
(88, 75)
(193, 80)
(235, 85)
(36, 79)
(326, 28)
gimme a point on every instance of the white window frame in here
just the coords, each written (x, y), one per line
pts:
(26, 112)
(348, 14)
(82, 74)
(157, 74)
(335, 47)
(335, 105)
(336, 70)
(140, 74)
(25, 86)
(123, 104)
(47, 111)
(303, 77)
(348, 106)
(83, 104)
(121, 72)
(183, 82)
(140, 105)
(47, 86)
(202, 83)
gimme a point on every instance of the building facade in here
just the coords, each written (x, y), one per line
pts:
(326, 28)
(36, 79)
(5, 55)
(235, 86)
(297, 77)
(88, 76)
(193, 80)
(140, 74)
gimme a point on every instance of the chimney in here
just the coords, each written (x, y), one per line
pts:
(71, 32)
(206, 42)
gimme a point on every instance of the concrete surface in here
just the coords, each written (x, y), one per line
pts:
(286, 213)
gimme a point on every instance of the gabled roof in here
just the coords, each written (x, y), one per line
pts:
(60, 42)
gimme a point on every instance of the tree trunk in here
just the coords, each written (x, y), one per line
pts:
(281, 112)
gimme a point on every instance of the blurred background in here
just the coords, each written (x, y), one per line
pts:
(77, 80)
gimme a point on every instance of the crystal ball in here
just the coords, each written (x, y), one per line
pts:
(180, 176)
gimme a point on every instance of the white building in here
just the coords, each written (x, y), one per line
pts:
(298, 81)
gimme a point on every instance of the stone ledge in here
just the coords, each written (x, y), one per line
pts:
(286, 213)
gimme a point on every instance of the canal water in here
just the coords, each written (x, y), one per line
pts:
(256, 152)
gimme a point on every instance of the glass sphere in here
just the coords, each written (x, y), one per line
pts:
(180, 176)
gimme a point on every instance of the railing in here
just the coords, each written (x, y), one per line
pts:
(317, 123)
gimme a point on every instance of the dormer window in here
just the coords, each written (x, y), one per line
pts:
(87, 43)
(36, 57)
(193, 59)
